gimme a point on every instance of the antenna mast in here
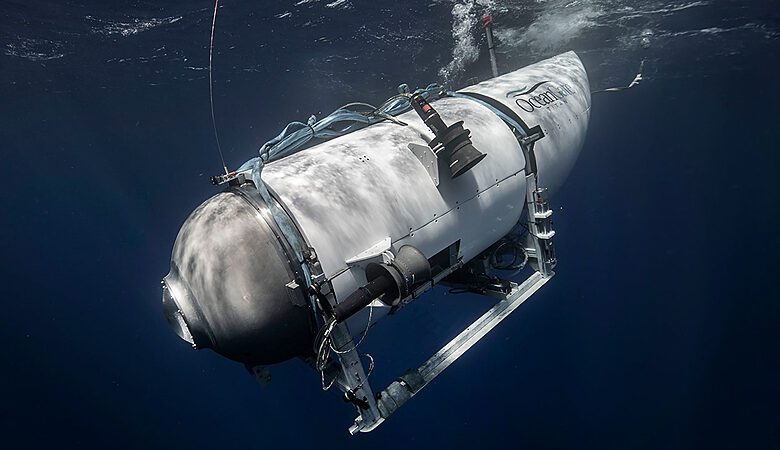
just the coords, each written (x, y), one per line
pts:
(487, 23)
(211, 87)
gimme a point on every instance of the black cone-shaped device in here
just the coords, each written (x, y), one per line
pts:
(455, 139)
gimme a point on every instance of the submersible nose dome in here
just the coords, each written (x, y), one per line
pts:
(228, 285)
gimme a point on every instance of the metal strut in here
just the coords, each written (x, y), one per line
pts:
(539, 248)
(412, 382)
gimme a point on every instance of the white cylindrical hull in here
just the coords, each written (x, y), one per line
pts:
(348, 194)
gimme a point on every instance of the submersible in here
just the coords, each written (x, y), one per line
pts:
(295, 261)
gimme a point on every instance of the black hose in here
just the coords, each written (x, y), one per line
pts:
(362, 297)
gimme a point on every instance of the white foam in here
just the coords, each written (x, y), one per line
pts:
(135, 26)
(465, 50)
(342, 4)
(35, 49)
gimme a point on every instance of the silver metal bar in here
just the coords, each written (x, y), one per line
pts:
(408, 385)
(428, 285)
(482, 326)
(354, 377)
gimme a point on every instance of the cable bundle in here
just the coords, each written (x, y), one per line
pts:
(346, 119)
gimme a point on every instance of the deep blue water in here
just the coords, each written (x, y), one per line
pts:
(660, 329)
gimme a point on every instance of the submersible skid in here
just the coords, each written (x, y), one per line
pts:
(254, 272)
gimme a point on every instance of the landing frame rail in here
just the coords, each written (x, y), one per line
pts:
(408, 385)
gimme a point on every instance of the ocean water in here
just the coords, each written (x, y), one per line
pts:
(660, 329)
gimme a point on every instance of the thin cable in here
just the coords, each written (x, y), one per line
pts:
(211, 86)
(370, 370)
(323, 345)
(341, 121)
(365, 332)
(322, 378)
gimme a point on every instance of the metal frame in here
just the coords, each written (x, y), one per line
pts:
(347, 369)
(352, 378)
(412, 382)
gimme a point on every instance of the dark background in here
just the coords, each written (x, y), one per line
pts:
(660, 329)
